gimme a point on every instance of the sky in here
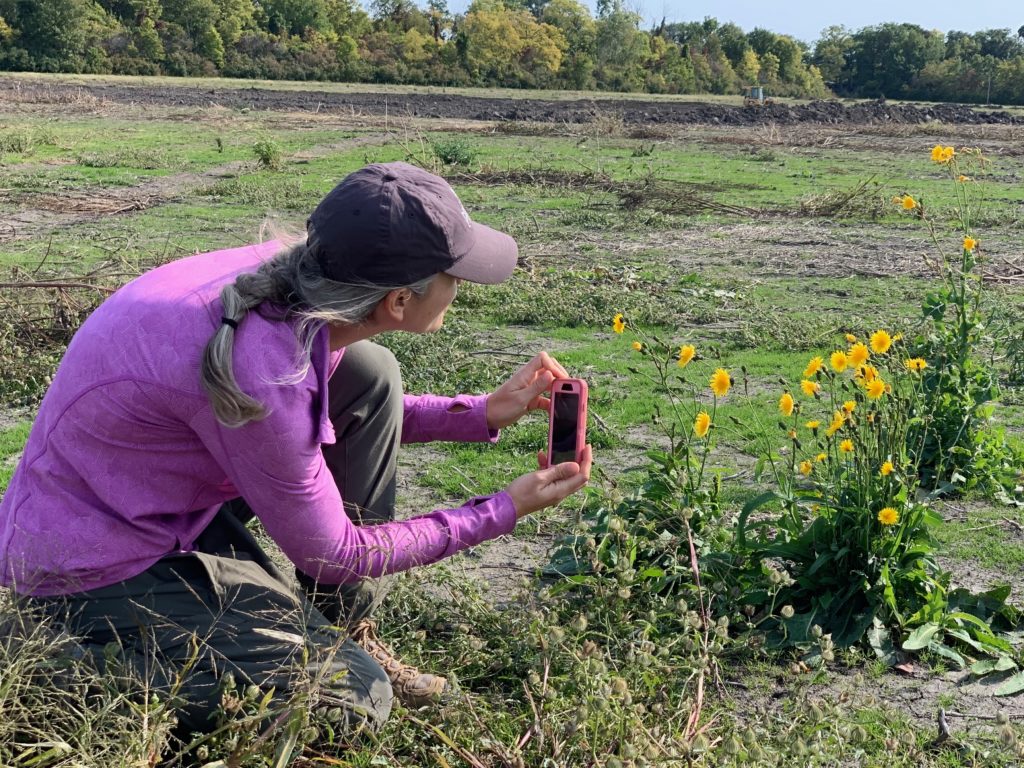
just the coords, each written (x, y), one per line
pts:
(805, 19)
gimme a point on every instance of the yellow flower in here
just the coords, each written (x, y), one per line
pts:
(821, 457)
(908, 203)
(850, 338)
(838, 360)
(810, 388)
(686, 353)
(866, 373)
(846, 446)
(786, 404)
(937, 153)
(876, 388)
(791, 434)
(637, 346)
(813, 424)
(888, 516)
(858, 354)
(720, 382)
(815, 365)
(886, 469)
(947, 154)
(618, 324)
(963, 179)
(838, 419)
(849, 406)
(702, 424)
(970, 244)
(806, 468)
(880, 342)
(916, 364)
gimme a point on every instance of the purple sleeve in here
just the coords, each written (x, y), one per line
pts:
(277, 466)
(431, 417)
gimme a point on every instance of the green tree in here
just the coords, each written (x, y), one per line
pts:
(52, 33)
(621, 50)
(831, 52)
(574, 21)
(887, 58)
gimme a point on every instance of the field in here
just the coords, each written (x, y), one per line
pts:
(759, 238)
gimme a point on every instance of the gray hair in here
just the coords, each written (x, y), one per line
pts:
(293, 280)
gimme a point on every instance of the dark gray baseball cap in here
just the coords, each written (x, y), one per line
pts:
(395, 224)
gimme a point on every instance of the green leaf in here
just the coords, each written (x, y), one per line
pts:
(1011, 686)
(651, 573)
(988, 666)
(921, 637)
(945, 651)
(748, 508)
(880, 639)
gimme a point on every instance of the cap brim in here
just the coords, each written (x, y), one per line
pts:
(491, 260)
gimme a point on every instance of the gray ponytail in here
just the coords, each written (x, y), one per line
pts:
(294, 281)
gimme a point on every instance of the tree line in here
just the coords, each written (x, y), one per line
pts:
(509, 43)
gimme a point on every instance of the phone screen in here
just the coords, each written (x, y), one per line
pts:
(563, 428)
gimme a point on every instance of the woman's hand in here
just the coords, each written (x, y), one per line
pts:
(524, 391)
(549, 485)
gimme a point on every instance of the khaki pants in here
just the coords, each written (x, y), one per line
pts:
(225, 607)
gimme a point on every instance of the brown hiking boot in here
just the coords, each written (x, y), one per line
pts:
(413, 688)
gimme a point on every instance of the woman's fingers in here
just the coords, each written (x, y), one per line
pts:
(553, 365)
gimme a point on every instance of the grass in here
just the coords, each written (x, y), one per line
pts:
(758, 293)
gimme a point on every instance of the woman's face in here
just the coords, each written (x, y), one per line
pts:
(425, 314)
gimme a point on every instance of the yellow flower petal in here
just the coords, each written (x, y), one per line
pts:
(815, 365)
(880, 342)
(702, 424)
(810, 388)
(858, 354)
(686, 354)
(838, 361)
(618, 324)
(720, 382)
(846, 446)
(886, 469)
(888, 516)
(786, 404)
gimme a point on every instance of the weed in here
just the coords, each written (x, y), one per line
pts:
(454, 151)
(24, 140)
(268, 154)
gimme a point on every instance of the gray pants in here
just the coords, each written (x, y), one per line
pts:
(225, 607)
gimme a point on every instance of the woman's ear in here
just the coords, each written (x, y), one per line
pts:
(391, 309)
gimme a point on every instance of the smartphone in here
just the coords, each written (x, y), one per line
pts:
(567, 430)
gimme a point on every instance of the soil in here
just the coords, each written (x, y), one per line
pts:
(631, 111)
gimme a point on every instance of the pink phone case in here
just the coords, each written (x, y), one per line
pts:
(559, 388)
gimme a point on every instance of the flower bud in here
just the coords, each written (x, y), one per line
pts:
(787, 612)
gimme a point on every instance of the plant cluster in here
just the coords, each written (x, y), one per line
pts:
(836, 550)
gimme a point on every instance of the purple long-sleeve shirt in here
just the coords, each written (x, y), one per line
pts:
(126, 462)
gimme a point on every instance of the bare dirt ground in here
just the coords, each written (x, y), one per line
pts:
(829, 112)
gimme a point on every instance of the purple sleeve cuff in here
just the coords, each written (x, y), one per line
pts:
(478, 520)
(431, 417)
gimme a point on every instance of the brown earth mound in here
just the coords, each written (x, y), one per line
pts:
(531, 110)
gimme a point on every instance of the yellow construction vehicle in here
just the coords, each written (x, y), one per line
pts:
(754, 96)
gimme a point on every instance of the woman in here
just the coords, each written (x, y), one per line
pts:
(242, 383)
